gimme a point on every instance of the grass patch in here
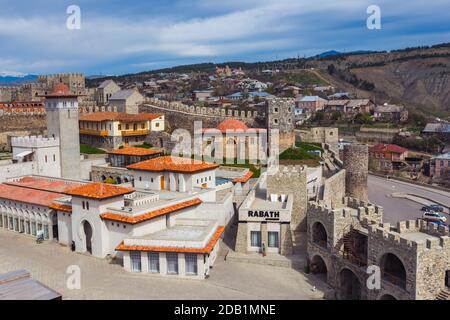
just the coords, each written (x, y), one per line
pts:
(145, 145)
(301, 155)
(304, 77)
(86, 149)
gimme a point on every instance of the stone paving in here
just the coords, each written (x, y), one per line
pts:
(100, 279)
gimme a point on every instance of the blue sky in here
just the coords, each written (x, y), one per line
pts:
(119, 37)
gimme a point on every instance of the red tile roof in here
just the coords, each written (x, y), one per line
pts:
(132, 151)
(61, 90)
(232, 124)
(152, 214)
(207, 249)
(392, 148)
(27, 195)
(43, 184)
(245, 178)
(173, 164)
(119, 116)
(97, 190)
(61, 207)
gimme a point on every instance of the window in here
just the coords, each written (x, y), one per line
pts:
(54, 158)
(87, 205)
(255, 238)
(172, 263)
(83, 204)
(143, 126)
(273, 240)
(275, 121)
(33, 228)
(120, 127)
(153, 262)
(191, 263)
(275, 110)
(157, 124)
(45, 159)
(135, 261)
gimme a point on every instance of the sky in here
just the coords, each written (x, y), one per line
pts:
(118, 37)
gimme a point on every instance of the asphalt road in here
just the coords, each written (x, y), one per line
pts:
(398, 209)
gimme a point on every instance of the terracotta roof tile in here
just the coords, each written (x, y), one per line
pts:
(152, 214)
(61, 207)
(209, 247)
(44, 184)
(245, 178)
(119, 116)
(97, 190)
(173, 164)
(388, 148)
(27, 195)
(133, 151)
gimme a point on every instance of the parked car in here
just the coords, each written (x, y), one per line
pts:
(434, 216)
(433, 207)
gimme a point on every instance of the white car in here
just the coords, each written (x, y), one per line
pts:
(434, 216)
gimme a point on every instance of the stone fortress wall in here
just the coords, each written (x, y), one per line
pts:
(347, 236)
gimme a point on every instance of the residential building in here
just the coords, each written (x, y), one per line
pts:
(111, 130)
(391, 113)
(105, 91)
(311, 103)
(390, 152)
(440, 167)
(127, 101)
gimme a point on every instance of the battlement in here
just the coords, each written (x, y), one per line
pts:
(321, 208)
(34, 142)
(247, 114)
(401, 236)
(289, 171)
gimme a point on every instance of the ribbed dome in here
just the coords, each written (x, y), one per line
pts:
(232, 124)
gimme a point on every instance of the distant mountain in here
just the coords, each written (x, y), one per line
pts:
(12, 78)
(328, 54)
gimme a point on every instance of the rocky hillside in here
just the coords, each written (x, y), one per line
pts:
(418, 78)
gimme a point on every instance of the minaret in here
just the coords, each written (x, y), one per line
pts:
(62, 121)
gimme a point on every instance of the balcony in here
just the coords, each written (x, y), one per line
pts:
(91, 132)
(131, 133)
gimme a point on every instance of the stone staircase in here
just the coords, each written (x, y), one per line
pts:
(443, 295)
(349, 249)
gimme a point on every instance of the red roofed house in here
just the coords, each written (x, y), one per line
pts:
(111, 130)
(173, 174)
(384, 156)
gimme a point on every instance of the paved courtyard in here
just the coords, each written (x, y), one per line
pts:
(100, 279)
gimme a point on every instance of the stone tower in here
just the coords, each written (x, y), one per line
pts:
(291, 180)
(62, 122)
(356, 165)
(280, 115)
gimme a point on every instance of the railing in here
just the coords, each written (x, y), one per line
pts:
(102, 133)
(135, 133)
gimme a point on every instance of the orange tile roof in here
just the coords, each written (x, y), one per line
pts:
(133, 151)
(152, 214)
(209, 247)
(45, 184)
(232, 124)
(119, 116)
(173, 164)
(61, 207)
(27, 195)
(245, 178)
(97, 190)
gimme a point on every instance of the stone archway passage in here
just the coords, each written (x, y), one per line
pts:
(319, 234)
(393, 270)
(350, 286)
(319, 267)
(87, 228)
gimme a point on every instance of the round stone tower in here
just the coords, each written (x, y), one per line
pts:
(356, 165)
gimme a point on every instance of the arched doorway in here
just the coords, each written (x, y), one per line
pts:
(350, 287)
(393, 270)
(319, 267)
(387, 297)
(87, 228)
(319, 234)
